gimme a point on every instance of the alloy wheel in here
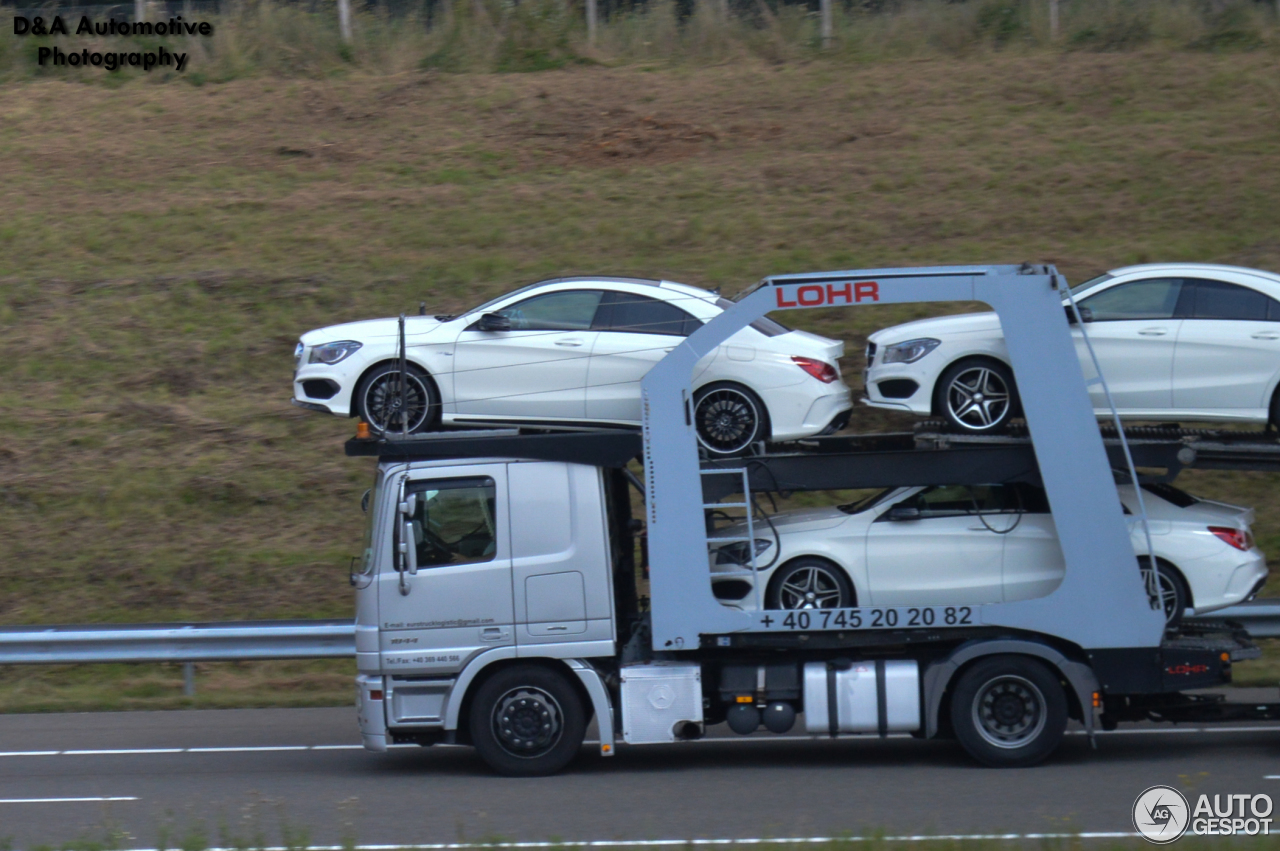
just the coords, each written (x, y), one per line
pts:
(811, 588)
(978, 398)
(383, 402)
(728, 420)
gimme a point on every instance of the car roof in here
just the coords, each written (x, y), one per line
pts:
(1204, 268)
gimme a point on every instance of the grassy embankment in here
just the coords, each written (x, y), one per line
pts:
(163, 246)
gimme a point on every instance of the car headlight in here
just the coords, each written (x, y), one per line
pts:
(737, 553)
(910, 351)
(331, 353)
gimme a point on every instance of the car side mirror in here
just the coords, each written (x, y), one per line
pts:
(902, 512)
(493, 322)
(1086, 315)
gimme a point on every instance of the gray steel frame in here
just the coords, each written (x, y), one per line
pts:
(1101, 603)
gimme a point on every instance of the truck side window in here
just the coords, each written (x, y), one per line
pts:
(453, 522)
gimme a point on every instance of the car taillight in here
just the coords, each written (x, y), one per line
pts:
(1238, 538)
(824, 372)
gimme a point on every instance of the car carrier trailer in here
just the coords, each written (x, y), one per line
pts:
(498, 603)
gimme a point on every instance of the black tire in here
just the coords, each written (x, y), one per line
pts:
(976, 396)
(728, 418)
(527, 721)
(1273, 412)
(1009, 711)
(377, 399)
(810, 583)
(1174, 595)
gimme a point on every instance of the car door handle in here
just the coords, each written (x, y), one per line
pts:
(1154, 332)
(568, 342)
(1266, 335)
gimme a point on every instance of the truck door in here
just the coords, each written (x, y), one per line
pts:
(446, 596)
(561, 569)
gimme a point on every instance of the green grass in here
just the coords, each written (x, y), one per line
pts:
(164, 246)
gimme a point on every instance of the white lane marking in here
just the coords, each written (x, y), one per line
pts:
(121, 751)
(716, 740)
(1272, 777)
(664, 843)
(65, 800)
(250, 749)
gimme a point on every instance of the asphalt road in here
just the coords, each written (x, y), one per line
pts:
(280, 776)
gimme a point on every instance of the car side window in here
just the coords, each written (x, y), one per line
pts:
(568, 310)
(638, 314)
(453, 522)
(952, 500)
(1154, 298)
(1220, 300)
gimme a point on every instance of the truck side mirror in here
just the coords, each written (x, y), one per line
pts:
(408, 547)
(364, 501)
(903, 512)
(1086, 315)
(493, 322)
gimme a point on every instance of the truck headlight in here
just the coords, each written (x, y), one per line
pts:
(909, 351)
(737, 553)
(297, 356)
(331, 353)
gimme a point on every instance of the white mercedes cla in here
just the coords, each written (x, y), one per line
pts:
(960, 545)
(1176, 341)
(571, 351)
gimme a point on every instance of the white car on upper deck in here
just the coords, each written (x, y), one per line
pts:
(1176, 341)
(572, 351)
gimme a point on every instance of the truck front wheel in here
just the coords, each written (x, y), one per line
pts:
(1009, 711)
(527, 721)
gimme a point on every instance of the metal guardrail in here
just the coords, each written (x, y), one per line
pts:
(1261, 617)
(178, 642)
(304, 639)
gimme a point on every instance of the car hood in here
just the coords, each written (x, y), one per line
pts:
(807, 520)
(939, 327)
(371, 329)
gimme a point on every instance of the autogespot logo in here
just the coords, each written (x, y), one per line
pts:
(1160, 814)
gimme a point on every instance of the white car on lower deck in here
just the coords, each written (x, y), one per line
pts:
(572, 351)
(969, 545)
(1176, 341)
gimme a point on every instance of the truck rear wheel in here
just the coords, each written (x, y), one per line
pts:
(527, 721)
(1009, 711)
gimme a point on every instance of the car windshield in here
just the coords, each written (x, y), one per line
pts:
(1079, 288)
(479, 308)
(866, 502)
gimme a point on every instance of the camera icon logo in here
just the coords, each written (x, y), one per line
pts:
(1161, 814)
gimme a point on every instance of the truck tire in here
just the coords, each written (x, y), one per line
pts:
(527, 721)
(1009, 711)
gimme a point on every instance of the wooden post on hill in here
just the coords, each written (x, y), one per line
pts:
(344, 20)
(591, 23)
(828, 37)
(1053, 20)
(139, 10)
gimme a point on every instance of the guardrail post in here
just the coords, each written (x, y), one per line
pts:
(344, 20)
(189, 679)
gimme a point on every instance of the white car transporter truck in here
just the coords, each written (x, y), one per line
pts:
(497, 601)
